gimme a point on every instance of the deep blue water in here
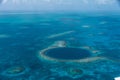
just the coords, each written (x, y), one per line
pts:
(67, 53)
(23, 36)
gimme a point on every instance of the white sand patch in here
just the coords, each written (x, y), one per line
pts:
(60, 44)
(60, 34)
(91, 59)
(86, 26)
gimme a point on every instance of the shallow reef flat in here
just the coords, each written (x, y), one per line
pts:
(59, 47)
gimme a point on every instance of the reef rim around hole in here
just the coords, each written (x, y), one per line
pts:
(67, 54)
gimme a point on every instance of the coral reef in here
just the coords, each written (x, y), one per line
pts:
(75, 72)
(15, 71)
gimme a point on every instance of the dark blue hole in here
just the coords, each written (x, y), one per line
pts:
(67, 53)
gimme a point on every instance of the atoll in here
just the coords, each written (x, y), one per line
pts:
(60, 52)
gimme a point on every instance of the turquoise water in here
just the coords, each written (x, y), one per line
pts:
(23, 36)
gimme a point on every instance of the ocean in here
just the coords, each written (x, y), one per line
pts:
(24, 36)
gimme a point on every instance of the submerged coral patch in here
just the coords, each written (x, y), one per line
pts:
(75, 72)
(15, 71)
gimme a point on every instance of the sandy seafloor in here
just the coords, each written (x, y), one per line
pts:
(23, 36)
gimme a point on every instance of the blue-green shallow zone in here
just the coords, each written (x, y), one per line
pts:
(15, 71)
(77, 63)
(23, 36)
(85, 70)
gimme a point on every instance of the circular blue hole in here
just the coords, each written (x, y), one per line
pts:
(67, 53)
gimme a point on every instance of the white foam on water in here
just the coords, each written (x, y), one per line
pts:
(117, 78)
